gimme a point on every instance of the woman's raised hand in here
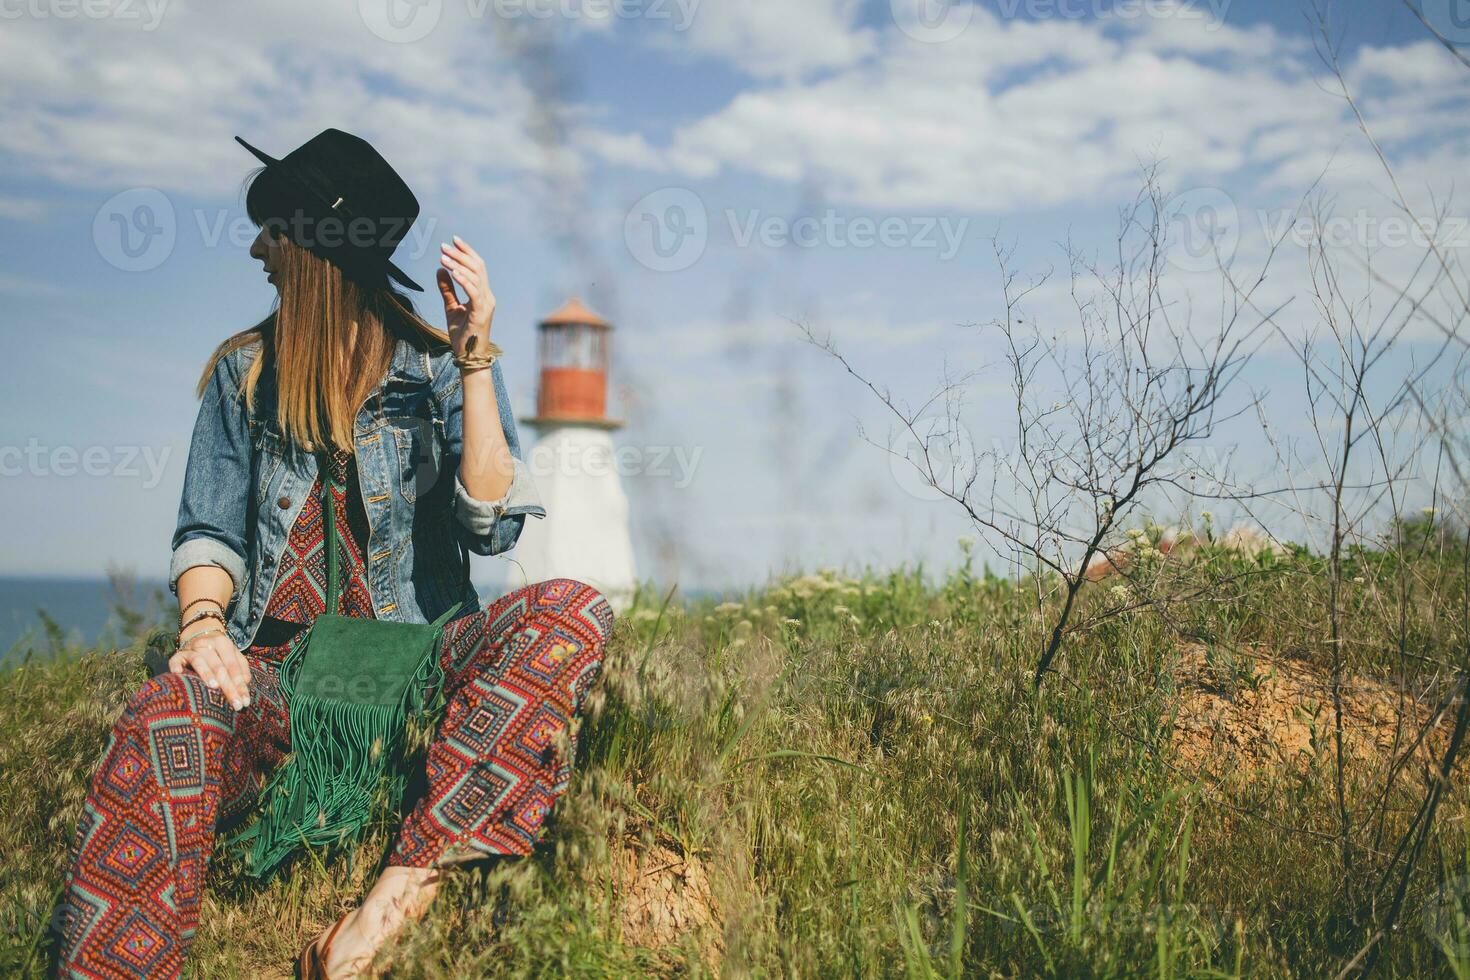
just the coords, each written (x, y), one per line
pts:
(470, 318)
(215, 658)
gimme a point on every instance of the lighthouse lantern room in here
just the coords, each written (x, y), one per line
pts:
(585, 534)
(575, 353)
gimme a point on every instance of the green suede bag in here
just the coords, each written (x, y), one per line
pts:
(352, 685)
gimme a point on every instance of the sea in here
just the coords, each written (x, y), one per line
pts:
(81, 609)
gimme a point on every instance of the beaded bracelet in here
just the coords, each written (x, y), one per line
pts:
(203, 598)
(204, 614)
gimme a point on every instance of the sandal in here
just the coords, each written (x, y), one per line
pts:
(312, 963)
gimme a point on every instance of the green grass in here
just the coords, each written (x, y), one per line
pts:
(863, 768)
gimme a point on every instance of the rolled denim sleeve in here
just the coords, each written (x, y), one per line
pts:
(490, 527)
(213, 509)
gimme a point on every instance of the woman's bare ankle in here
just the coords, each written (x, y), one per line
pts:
(401, 895)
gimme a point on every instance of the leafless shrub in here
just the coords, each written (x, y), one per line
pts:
(1106, 415)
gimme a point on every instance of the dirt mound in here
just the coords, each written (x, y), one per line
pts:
(1249, 710)
(665, 897)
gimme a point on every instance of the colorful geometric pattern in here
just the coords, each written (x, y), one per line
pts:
(177, 758)
(180, 762)
(517, 676)
(300, 590)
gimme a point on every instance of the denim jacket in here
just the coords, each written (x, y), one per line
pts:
(244, 488)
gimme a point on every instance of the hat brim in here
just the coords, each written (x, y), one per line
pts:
(393, 272)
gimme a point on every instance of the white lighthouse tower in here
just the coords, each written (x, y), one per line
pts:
(585, 533)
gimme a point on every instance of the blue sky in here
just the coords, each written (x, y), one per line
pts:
(559, 140)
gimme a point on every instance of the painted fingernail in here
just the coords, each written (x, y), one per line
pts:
(211, 683)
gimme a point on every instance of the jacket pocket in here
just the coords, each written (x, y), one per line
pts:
(270, 455)
(419, 455)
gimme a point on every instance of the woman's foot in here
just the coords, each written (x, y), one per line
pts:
(401, 895)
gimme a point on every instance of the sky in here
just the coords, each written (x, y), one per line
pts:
(718, 179)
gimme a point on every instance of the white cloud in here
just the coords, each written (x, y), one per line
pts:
(1020, 115)
(106, 103)
(775, 38)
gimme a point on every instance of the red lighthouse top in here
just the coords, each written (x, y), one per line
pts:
(575, 352)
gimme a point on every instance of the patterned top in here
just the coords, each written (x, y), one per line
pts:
(299, 595)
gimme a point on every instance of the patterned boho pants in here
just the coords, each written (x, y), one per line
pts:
(180, 761)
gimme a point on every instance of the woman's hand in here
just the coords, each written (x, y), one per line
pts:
(471, 318)
(216, 659)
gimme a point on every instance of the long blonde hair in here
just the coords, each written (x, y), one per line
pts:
(330, 341)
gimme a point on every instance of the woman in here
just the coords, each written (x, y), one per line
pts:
(414, 428)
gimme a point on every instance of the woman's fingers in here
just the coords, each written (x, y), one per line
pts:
(220, 665)
(446, 289)
(465, 277)
(461, 258)
(205, 662)
(474, 257)
(239, 670)
(233, 683)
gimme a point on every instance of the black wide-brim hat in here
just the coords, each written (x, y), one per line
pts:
(340, 199)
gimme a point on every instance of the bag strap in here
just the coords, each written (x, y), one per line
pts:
(329, 538)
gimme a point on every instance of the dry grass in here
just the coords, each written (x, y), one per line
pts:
(853, 775)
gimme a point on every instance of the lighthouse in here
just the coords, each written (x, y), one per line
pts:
(585, 533)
